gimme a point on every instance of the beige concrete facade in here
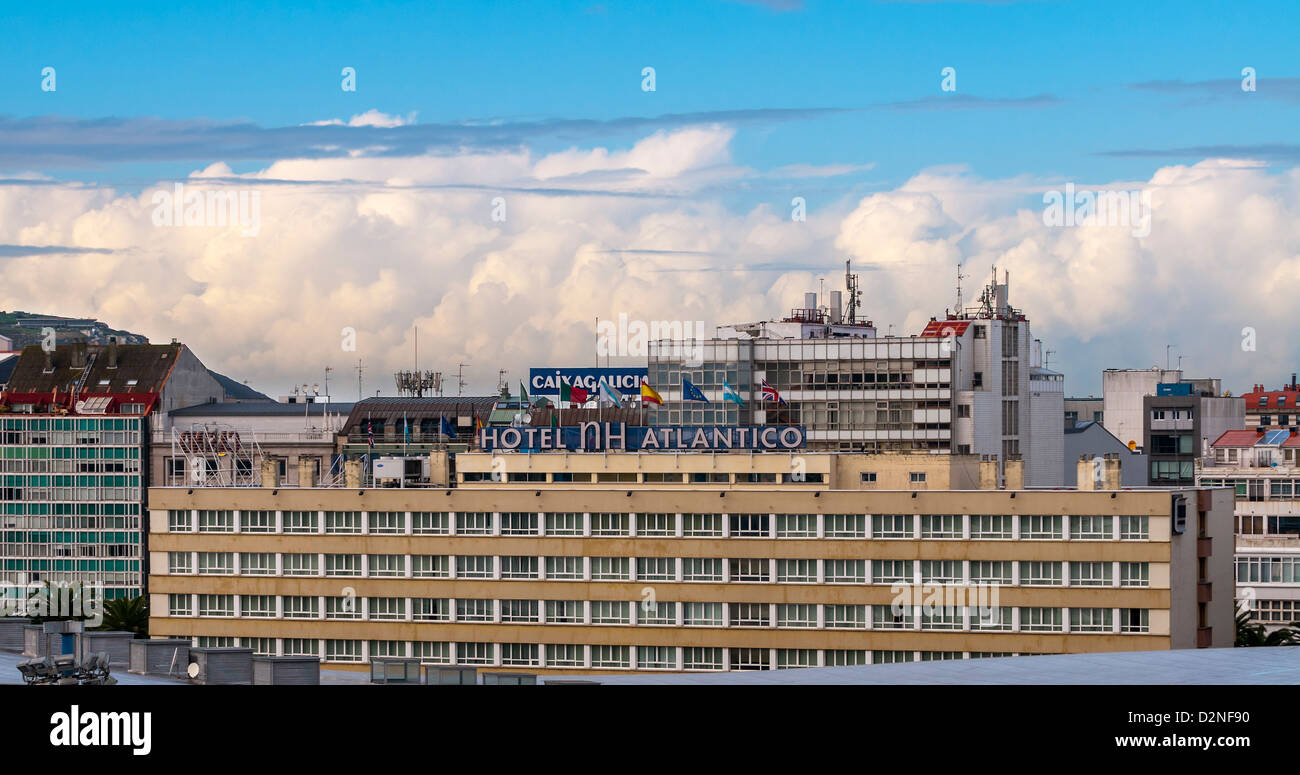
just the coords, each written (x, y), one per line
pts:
(793, 575)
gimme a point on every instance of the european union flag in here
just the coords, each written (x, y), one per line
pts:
(692, 393)
(445, 426)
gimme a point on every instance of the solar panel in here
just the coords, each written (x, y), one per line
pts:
(1273, 438)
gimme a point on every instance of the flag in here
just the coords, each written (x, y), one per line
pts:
(446, 427)
(478, 423)
(572, 393)
(370, 434)
(650, 394)
(523, 394)
(607, 393)
(555, 419)
(770, 394)
(692, 393)
(729, 394)
(406, 429)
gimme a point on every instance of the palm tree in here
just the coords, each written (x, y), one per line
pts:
(126, 614)
(1255, 635)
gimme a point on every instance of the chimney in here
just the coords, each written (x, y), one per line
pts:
(810, 301)
(112, 352)
(1111, 472)
(837, 314)
(352, 474)
(1084, 473)
(1014, 470)
(270, 473)
(988, 472)
(306, 472)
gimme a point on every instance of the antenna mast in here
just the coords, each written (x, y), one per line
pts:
(460, 378)
(855, 293)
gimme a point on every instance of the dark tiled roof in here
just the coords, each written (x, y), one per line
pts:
(259, 409)
(383, 409)
(7, 368)
(147, 364)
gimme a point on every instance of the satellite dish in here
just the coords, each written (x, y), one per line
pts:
(193, 670)
(196, 473)
(81, 406)
(528, 418)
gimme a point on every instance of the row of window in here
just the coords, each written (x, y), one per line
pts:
(567, 655)
(668, 614)
(904, 526)
(1268, 570)
(1053, 573)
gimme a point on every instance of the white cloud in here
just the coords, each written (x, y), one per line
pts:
(424, 250)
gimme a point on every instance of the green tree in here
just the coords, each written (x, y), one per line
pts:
(1249, 634)
(126, 614)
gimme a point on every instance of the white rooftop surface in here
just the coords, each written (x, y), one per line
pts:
(9, 673)
(1271, 666)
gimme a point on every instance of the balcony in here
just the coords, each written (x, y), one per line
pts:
(1204, 547)
(1205, 592)
(1204, 637)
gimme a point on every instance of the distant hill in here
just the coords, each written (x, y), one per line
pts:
(24, 328)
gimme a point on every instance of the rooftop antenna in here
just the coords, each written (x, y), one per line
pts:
(360, 369)
(328, 369)
(960, 277)
(501, 379)
(1047, 359)
(855, 294)
(460, 378)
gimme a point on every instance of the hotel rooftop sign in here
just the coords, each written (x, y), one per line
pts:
(620, 437)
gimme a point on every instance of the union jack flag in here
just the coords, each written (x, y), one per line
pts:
(370, 434)
(770, 394)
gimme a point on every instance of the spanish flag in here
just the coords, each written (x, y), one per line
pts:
(649, 394)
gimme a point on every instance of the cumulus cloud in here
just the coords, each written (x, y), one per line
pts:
(384, 245)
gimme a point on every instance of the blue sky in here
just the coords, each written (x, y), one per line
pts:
(277, 65)
(836, 102)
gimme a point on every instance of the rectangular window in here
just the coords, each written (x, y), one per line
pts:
(660, 525)
(342, 608)
(341, 564)
(432, 652)
(941, 572)
(846, 617)
(178, 521)
(431, 609)
(1041, 574)
(337, 650)
(217, 563)
(430, 566)
(749, 614)
(214, 521)
(610, 612)
(1134, 574)
(519, 654)
(1041, 527)
(796, 525)
(846, 571)
(656, 569)
(519, 523)
(891, 526)
(750, 569)
(702, 525)
(564, 524)
(867, 477)
(796, 615)
(387, 565)
(179, 605)
(986, 527)
(988, 618)
(257, 521)
(656, 657)
(846, 525)
(1090, 620)
(475, 653)
(1134, 528)
(610, 525)
(1091, 528)
(942, 618)
(477, 566)
(611, 656)
(216, 605)
(388, 522)
(890, 617)
(657, 613)
(565, 655)
(300, 607)
(1134, 620)
(474, 523)
(749, 525)
(430, 523)
(564, 612)
(257, 606)
(1041, 620)
(891, 572)
(387, 608)
(1090, 574)
(301, 521)
(701, 658)
(564, 568)
(701, 569)
(796, 571)
(519, 567)
(941, 526)
(342, 522)
(473, 610)
(257, 564)
(610, 568)
(702, 614)
(301, 647)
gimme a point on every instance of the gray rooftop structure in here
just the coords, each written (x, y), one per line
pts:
(266, 408)
(1239, 666)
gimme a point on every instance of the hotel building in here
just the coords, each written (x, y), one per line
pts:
(692, 562)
